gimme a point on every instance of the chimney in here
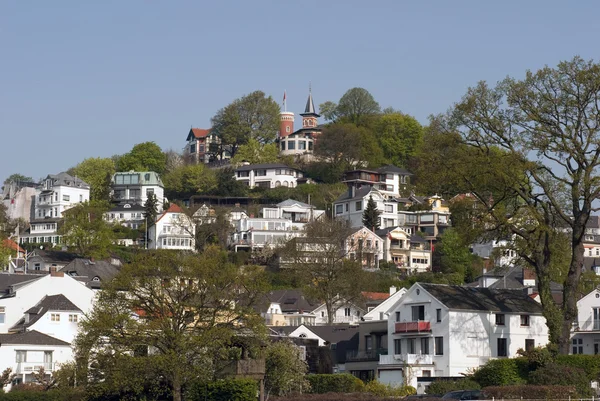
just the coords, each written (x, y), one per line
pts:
(52, 269)
(528, 278)
(57, 274)
(393, 290)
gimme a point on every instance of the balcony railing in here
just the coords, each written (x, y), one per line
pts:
(364, 356)
(409, 359)
(29, 367)
(419, 326)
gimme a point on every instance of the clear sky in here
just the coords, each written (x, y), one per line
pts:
(85, 79)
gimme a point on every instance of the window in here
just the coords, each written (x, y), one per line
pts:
(529, 344)
(502, 348)
(410, 346)
(389, 208)
(438, 315)
(282, 145)
(260, 173)
(302, 145)
(73, 318)
(291, 145)
(425, 346)
(310, 145)
(21, 356)
(397, 316)
(55, 317)
(368, 343)
(577, 346)
(339, 209)
(346, 311)
(426, 373)
(37, 266)
(358, 205)
(347, 207)
(397, 346)
(499, 319)
(66, 198)
(524, 320)
(439, 345)
(80, 200)
(418, 312)
(149, 191)
(2, 314)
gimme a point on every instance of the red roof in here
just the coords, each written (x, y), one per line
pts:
(173, 208)
(375, 296)
(8, 243)
(200, 133)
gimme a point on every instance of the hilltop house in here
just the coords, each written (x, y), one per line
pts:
(409, 253)
(270, 175)
(299, 143)
(173, 229)
(134, 188)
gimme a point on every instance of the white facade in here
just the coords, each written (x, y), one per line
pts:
(428, 339)
(25, 359)
(304, 332)
(258, 233)
(345, 312)
(380, 312)
(586, 334)
(364, 246)
(498, 250)
(136, 187)
(406, 251)
(352, 208)
(173, 230)
(268, 175)
(29, 293)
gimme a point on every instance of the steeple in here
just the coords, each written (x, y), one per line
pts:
(309, 110)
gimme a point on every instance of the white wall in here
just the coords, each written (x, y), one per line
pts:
(64, 329)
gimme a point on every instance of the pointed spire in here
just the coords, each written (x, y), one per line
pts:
(310, 105)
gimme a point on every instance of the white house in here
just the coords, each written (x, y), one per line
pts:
(135, 187)
(438, 330)
(173, 230)
(586, 331)
(257, 233)
(28, 352)
(299, 213)
(53, 196)
(19, 293)
(271, 175)
(345, 312)
(380, 312)
(352, 203)
(364, 246)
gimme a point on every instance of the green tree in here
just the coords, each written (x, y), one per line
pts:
(146, 156)
(254, 152)
(346, 146)
(328, 110)
(371, 215)
(187, 309)
(187, 180)
(17, 178)
(550, 121)
(454, 255)
(151, 209)
(86, 232)
(253, 116)
(285, 371)
(322, 262)
(215, 231)
(356, 105)
(400, 137)
(228, 185)
(98, 173)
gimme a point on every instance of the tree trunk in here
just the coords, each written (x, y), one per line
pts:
(571, 284)
(330, 312)
(176, 387)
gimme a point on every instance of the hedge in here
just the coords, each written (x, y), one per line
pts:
(332, 397)
(562, 375)
(63, 394)
(334, 383)
(590, 364)
(441, 387)
(385, 390)
(223, 390)
(530, 392)
(502, 372)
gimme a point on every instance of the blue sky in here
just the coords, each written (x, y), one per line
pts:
(85, 79)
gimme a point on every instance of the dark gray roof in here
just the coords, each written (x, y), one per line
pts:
(510, 278)
(593, 222)
(102, 269)
(483, 299)
(360, 193)
(335, 333)
(262, 166)
(7, 280)
(393, 169)
(47, 304)
(32, 337)
(133, 207)
(291, 300)
(416, 238)
(60, 257)
(292, 202)
(67, 180)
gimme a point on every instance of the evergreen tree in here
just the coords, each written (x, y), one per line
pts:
(371, 215)
(151, 209)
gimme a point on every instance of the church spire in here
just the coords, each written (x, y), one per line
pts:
(309, 110)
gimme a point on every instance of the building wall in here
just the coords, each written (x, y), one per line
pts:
(344, 313)
(273, 177)
(173, 231)
(66, 328)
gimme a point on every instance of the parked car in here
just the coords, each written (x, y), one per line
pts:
(463, 395)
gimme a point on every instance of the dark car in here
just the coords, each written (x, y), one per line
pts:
(463, 395)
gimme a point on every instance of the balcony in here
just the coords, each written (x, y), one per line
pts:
(409, 359)
(30, 367)
(417, 327)
(365, 356)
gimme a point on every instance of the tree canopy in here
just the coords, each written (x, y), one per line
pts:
(189, 179)
(400, 137)
(146, 156)
(85, 230)
(176, 314)
(254, 152)
(356, 106)
(98, 173)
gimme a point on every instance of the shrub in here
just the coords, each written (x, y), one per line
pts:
(590, 364)
(530, 392)
(385, 390)
(29, 393)
(553, 374)
(335, 383)
(441, 387)
(500, 372)
(331, 397)
(223, 390)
